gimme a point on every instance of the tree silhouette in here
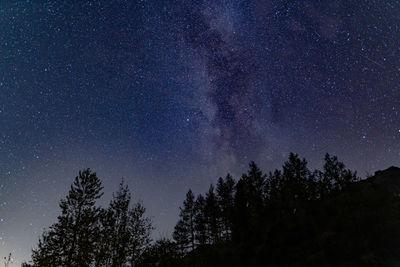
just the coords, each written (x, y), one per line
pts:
(125, 232)
(212, 216)
(184, 233)
(200, 221)
(249, 202)
(71, 241)
(292, 217)
(225, 198)
(295, 184)
(139, 229)
(335, 176)
(86, 235)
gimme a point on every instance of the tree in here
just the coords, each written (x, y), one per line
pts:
(335, 176)
(212, 216)
(273, 185)
(249, 203)
(139, 229)
(114, 235)
(295, 181)
(225, 198)
(119, 208)
(184, 232)
(103, 255)
(125, 232)
(254, 180)
(200, 221)
(180, 236)
(71, 241)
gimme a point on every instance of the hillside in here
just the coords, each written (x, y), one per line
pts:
(356, 226)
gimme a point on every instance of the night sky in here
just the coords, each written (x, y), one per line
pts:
(173, 94)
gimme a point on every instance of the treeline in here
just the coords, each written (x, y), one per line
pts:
(233, 211)
(289, 217)
(237, 223)
(292, 217)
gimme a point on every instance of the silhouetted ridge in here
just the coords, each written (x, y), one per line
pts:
(393, 170)
(389, 178)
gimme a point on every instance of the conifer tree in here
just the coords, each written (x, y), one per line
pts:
(200, 221)
(335, 176)
(139, 229)
(225, 198)
(212, 215)
(112, 249)
(125, 231)
(248, 203)
(294, 185)
(103, 255)
(119, 207)
(181, 236)
(71, 240)
(184, 232)
(251, 189)
(272, 186)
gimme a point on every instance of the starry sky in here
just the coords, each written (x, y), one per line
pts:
(173, 94)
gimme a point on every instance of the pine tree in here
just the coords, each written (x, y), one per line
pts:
(103, 255)
(200, 221)
(114, 235)
(225, 198)
(119, 208)
(71, 241)
(249, 204)
(184, 232)
(273, 185)
(125, 232)
(335, 176)
(181, 236)
(212, 215)
(294, 185)
(252, 187)
(139, 229)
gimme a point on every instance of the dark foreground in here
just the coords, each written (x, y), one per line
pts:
(291, 217)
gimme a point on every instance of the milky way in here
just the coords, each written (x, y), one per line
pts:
(173, 94)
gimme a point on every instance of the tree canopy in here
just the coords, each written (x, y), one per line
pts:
(88, 235)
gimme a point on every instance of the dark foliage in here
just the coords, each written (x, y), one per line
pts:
(72, 240)
(184, 232)
(296, 217)
(86, 235)
(290, 217)
(162, 253)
